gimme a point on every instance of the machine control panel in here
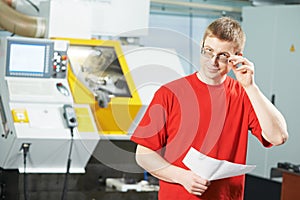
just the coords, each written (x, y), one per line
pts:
(36, 58)
(59, 64)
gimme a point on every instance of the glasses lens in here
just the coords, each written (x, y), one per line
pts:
(207, 53)
(223, 58)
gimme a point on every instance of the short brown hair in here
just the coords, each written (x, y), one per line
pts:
(227, 29)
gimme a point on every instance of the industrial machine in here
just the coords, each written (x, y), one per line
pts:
(59, 95)
(99, 76)
(39, 120)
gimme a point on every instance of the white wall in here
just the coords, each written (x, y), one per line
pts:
(180, 33)
(271, 32)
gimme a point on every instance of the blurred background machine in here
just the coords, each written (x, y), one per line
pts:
(38, 115)
(105, 76)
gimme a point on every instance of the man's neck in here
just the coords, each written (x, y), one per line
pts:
(208, 81)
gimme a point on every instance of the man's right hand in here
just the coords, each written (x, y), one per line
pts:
(193, 183)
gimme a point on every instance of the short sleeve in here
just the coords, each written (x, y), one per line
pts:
(151, 131)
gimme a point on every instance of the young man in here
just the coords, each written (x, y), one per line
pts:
(210, 112)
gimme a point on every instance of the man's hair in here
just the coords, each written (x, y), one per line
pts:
(227, 29)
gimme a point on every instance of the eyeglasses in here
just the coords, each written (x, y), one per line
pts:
(209, 53)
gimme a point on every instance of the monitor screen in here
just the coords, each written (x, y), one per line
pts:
(29, 57)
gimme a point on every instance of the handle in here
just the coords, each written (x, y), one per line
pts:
(273, 99)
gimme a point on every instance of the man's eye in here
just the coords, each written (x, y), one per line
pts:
(224, 55)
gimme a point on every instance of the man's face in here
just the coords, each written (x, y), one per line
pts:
(215, 55)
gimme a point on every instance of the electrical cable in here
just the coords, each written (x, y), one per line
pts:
(65, 187)
(25, 148)
(33, 5)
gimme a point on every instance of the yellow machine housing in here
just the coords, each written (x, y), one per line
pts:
(86, 70)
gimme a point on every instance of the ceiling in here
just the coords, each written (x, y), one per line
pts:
(281, 2)
(210, 8)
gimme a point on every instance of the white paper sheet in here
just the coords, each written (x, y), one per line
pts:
(213, 169)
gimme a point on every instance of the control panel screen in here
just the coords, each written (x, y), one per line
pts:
(29, 58)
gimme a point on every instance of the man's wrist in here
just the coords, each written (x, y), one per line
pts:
(251, 88)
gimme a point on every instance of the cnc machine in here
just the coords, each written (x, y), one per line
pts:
(38, 116)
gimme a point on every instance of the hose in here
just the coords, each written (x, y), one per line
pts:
(20, 24)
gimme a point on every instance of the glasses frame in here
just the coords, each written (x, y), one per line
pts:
(216, 55)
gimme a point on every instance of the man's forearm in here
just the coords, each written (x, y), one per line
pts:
(161, 169)
(271, 120)
(156, 165)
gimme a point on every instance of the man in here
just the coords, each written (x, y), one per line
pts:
(210, 112)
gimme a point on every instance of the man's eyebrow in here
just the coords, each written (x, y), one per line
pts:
(214, 50)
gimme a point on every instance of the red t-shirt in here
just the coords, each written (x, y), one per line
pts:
(213, 119)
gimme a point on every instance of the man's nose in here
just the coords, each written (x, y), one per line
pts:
(215, 59)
